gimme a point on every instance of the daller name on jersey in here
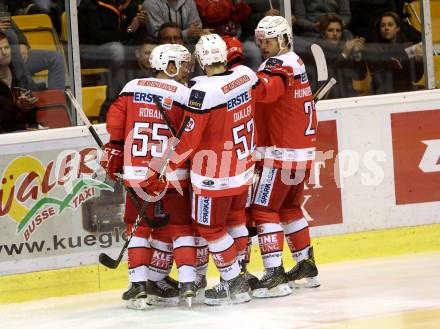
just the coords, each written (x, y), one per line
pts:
(243, 113)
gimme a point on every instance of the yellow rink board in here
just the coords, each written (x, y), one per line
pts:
(329, 249)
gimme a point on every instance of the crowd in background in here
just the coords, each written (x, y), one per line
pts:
(361, 39)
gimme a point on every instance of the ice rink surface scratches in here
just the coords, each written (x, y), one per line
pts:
(394, 293)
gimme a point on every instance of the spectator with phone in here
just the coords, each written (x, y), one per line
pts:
(28, 61)
(17, 103)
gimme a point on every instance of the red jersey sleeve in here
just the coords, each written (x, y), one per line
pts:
(116, 118)
(269, 88)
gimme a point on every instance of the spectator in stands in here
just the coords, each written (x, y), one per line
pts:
(133, 70)
(344, 57)
(395, 62)
(40, 60)
(170, 33)
(105, 26)
(28, 61)
(223, 17)
(182, 12)
(308, 12)
(16, 112)
(252, 54)
(11, 117)
(365, 13)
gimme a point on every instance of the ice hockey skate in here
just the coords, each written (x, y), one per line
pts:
(187, 291)
(305, 269)
(251, 279)
(161, 293)
(136, 296)
(200, 285)
(172, 282)
(272, 284)
(234, 291)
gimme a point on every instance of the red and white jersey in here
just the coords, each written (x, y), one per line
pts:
(134, 118)
(287, 126)
(221, 133)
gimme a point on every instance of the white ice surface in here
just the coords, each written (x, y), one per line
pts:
(349, 291)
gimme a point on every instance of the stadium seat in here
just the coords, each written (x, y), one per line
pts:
(363, 86)
(93, 97)
(39, 31)
(413, 9)
(421, 83)
(40, 34)
(437, 70)
(63, 26)
(52, 111)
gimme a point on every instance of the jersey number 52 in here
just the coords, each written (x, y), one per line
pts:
(242, 140)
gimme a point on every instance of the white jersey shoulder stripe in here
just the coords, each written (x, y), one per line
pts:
(215, 92)
(167, 90)
(288, 59)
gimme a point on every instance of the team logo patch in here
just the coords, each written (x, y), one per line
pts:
(272, 62)
(196, 98)
(277, 154)
(167, 103)
(208, 182)
(304, 78)
(190, 125)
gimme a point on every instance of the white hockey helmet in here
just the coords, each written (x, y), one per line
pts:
(162, 55)
(275, 27)
(211, 49)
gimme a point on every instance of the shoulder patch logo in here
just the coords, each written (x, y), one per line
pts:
(167, 103)
(272, 62)
(196, 98)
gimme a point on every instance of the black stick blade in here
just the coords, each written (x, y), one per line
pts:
(107, 261)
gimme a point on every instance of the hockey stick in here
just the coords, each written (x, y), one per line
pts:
(164, 115)
(322, 72)
(324, 89)
(321, 63)
(105, 259)
(130, 192)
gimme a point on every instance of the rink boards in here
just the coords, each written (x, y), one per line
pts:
(377, 168)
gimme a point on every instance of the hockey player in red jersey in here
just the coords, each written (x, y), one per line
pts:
(287, 130)
(138, 133)
(235, 58)
(219, 141)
